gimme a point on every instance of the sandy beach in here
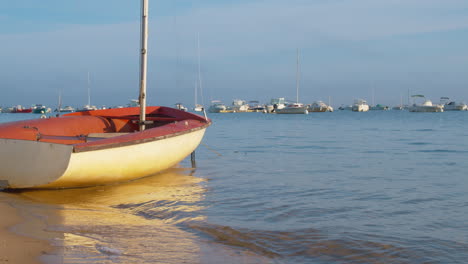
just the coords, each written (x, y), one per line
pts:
(15, 248)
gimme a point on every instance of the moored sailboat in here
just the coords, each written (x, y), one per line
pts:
(294, 108)
(101, 146)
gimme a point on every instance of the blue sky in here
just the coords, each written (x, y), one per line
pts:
(348, 48)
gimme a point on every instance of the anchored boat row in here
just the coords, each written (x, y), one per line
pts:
(281, 106)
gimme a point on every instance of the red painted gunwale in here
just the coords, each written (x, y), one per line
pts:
(73, 128)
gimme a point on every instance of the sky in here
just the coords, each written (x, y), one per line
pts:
(378, 50)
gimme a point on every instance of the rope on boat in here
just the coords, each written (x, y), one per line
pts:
(214, 151)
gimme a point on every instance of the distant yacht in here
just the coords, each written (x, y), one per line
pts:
(217, 107)
(21, 109)
(293, 108)
(398, 107)
(7, 110)
(66, 109)
(452, 105)
(360, 105)
(133, 103)
(181, 107)
(379, 107)
(239, 106)
(346, 107)
(198, 108)
(401, 106)
(40, 109)
(276, 103)
(87, 108)
(319, 106)
(255, 106)
(426, 106)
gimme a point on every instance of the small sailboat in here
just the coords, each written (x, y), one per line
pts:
(294, 108)
(98, 147)
(66, 109)
(399, 107)
(88, 107)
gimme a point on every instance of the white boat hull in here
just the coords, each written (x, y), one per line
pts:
(427, 109)
(360, 108)
(455, 108)
(24, 162)
(292, 110)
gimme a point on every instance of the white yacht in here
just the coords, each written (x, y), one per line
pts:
(255, 106)
(426, 106)
(181, 107)
(217, 107)
(319, 106)
(276, 103)
(66, 109)
(360, 105)
(198, 108)
(239, 106)
(133, 103)
(346, 107)
(379, 107)
(293, 108)
(87, 108)
(452, 105)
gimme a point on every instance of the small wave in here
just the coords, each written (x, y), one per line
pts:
(424, 130)
(373, 151)
(419, 143)
(309, 245)
(440, 151)
(108, 251)
(420, 200)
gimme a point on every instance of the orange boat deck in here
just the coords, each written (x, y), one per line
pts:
(75, 128)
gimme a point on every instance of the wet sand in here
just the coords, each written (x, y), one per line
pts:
(16, 248)
(144, 221)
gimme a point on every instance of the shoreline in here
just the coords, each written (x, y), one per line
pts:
(16, 248)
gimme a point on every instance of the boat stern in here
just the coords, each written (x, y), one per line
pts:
(27, 164)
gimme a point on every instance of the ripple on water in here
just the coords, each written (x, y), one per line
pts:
(313, 246)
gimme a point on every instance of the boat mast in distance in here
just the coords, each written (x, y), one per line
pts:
(297, 76)
(143, 62)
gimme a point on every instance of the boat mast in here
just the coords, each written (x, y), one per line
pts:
(297, 77)
(199, 69)
(143, 62)
(373, 96)
(196, 84)
(89, 91)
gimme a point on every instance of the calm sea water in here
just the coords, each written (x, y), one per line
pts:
(341, 187)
